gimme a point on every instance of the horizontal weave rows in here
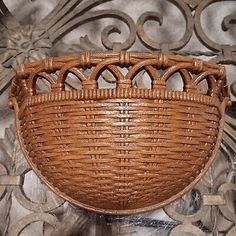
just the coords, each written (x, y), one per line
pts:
(133, 153)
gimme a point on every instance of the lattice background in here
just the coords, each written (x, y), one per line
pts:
(31, 30)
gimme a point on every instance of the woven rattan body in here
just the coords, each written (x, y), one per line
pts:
(122, 150)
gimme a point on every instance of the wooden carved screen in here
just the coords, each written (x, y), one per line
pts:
(32, 30)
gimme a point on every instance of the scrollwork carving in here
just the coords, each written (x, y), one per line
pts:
(31, 218)
(227, 50)
(154, 45)
(35, 42)
(228, 21)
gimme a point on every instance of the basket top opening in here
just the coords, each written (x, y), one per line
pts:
(120, 70)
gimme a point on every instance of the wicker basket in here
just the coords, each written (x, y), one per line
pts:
(123, 150)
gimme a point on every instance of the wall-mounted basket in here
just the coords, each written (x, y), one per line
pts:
(120, 150)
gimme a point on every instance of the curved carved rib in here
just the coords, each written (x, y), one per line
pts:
(154, 45)
(7, 18)
(200, 32)
(150, 15)
(62, 8)
(228, 21)
(79, 8)
(91, 16)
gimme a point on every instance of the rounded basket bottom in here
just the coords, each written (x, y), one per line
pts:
(119, 155)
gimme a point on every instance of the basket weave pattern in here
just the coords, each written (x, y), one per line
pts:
(121, 150)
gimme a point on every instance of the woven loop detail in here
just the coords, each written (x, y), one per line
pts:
(159, 84)
(124, 59)
(162, 60)
(197, 66)
(89, 84)
(221, 72)
(49, 65)
(21, 71)
(57, 87)
(85, 61)
(99, 62)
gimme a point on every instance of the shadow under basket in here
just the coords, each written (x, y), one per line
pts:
(121, 150)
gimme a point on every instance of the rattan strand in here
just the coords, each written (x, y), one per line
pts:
(122, 150)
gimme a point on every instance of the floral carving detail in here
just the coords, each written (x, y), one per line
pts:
(24, 45)
(12, 51)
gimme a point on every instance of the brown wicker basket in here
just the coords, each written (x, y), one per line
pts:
(120, 150)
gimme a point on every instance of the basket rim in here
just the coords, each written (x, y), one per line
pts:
(24, 83)
(193, 70)
(130, 211)
(118, 93)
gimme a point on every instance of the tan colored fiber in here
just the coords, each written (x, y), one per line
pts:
(124, 150)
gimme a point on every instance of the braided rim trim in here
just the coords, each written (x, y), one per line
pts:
(101, 94)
